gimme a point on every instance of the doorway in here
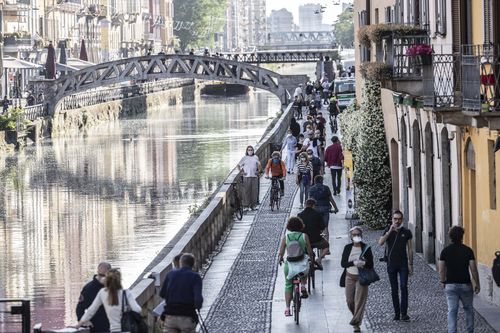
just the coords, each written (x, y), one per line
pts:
(417, 187)
(430, 202)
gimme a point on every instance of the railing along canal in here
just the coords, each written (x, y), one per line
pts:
(15, 313)
(98, 96)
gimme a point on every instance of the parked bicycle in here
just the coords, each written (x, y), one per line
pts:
(236, 203)
(275, 198)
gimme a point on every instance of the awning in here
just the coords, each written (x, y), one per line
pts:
(14, 63)
(78, 64)
(65, 68)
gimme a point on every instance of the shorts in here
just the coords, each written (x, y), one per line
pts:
(322, 244)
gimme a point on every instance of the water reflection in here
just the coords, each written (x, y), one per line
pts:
(118, 193)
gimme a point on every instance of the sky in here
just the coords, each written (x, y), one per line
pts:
(292, 6)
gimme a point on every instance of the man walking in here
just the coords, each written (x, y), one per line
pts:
(399, 256)
(313, 227)
(456, 263)
(182, 293)
(89, 292)
(334, 159)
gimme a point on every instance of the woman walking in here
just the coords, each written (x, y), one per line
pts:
(304, 177)
(111, 297)
(294, 232)
(356, 255)
(251, 167)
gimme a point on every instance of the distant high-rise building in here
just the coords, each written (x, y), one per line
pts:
(280, 21)
(311, 17)
(246, 24)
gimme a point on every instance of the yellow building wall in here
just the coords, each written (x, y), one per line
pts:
(480, 221)
(477, 22)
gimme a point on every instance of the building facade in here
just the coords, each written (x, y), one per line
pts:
(280, 21)
(310, 17)
(441, 117)
(246, 24)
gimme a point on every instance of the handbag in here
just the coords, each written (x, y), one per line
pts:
(131, 321)
(367, 276)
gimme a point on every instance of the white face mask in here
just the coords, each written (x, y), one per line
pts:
(303, 159)
(357, 239)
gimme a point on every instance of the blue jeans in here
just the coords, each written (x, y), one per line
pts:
(400, 308)
(304, 191)
(325, 213)
(456, 292)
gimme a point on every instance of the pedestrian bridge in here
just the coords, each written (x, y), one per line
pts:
(279, 56)
(163, 66)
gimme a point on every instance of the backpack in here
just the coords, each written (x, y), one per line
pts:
(495, 270)
(293, 250)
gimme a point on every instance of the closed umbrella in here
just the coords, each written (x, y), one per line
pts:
(62, 56)
(50, 65)
(83, 52)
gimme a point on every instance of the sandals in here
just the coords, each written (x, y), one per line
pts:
(287, 312)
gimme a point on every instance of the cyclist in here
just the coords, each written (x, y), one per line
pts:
(277, 168)
(323, 196)
(294, 233)
(313, 227)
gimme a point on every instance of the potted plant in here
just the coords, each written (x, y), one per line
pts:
(422, 53)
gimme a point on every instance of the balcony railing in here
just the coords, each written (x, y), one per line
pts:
(442, 82)
(15, 41)
(480, 78)
(404, 66)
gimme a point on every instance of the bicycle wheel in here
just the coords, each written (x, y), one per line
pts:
(309, 279)
(296, 305)
(278, 201)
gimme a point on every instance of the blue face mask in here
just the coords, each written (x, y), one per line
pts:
(276, 160)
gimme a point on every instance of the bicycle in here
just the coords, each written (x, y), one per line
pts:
(296, 297)
(275, 198)
(236, 203)
(311, 279)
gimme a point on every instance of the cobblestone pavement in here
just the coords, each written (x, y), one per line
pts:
(244, 303)
(427, 302)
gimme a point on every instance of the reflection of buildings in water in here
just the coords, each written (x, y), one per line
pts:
(102, 196)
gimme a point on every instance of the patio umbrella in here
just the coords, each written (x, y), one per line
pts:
(50, 65)
(62, 56)
(83, 52)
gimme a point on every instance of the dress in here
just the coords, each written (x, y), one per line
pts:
(250, 166)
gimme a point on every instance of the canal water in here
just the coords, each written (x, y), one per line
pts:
(118, 193)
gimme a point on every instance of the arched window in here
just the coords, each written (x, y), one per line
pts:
(470, 155)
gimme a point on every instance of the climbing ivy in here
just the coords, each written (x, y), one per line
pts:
(372, 174)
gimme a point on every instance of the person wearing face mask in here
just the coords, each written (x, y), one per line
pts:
(399, 257)
(304, 177)
(291, 145)
(276, 167)
(315, 162)
(250, 165)
(355, 255)
(89, 292)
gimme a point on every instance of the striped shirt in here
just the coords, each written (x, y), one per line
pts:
(302, 168)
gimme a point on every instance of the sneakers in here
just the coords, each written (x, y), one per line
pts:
(396, 317)
(301, 206)
(405, 318)
(287, 312)
(318, 265)
(356, 329)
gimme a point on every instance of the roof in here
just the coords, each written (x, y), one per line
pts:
(14, 63)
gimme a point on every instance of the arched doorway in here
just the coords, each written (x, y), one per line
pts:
(446, 184)
(404, 166)
(395, 173)
(470, 192)
(417, 187)
(430, 208)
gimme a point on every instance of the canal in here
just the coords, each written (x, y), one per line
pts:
(118, 192)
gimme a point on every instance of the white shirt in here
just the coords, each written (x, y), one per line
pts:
(250, 165)
(113, 312)
(355, 253)
(298, 92)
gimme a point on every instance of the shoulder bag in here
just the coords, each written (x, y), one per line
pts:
(366, 276)
(131, 321)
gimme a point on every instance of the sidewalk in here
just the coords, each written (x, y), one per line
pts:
(325, 310)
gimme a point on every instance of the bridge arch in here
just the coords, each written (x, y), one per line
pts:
(163, 66)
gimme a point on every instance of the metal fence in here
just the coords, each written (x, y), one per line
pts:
(405, 66)
(442, 86)
(480, 77)
(97, 96)
(15, 315)
(34, 111)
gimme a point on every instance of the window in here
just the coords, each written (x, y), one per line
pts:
(440, 6)
(376, 16)
(493, 176)
(424, 12)
(388, 11)
(399, 12)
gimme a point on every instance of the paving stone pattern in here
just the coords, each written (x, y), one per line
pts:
(244, 303)
(427, 302)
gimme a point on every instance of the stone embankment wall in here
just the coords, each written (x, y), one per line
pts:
(65, 121)
(204, 234)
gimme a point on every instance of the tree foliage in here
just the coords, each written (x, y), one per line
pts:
(372, 174)
(344, 29)
(196, 21)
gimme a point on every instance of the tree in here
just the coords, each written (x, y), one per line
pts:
(196, 21)
(372, 174)
(344, 29)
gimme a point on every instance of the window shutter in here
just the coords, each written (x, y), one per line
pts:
(487, 22)
(457, 29)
